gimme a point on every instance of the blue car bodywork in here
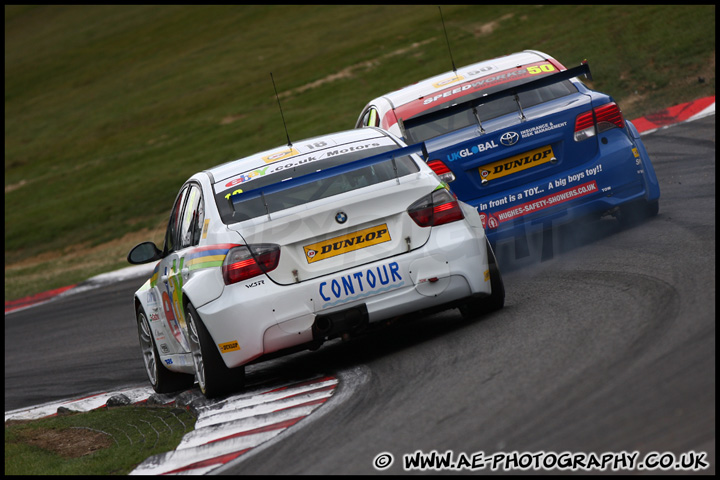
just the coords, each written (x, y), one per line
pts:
(524, 141)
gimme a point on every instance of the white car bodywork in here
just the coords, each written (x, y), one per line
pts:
(331, 278)
(388, 111)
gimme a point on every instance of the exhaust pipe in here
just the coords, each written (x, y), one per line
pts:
(351, 320)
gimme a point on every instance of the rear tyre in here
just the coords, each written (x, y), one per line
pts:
(496, 300)
(213, 376)
(161, 379)
(636, 212)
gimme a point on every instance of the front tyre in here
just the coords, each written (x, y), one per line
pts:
(161, 379)
(213, 376)
(496, 300)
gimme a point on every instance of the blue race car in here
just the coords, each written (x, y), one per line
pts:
(525, 142)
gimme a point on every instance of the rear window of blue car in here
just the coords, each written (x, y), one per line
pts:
(234, 208)
(489, 111)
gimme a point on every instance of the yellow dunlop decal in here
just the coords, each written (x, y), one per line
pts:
(205, 228)
(347, 243)
(229, 347)
(291, 152)
(510, 165)
(448, 81)
(487, 275)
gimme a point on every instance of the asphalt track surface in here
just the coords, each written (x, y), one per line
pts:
(607, 345)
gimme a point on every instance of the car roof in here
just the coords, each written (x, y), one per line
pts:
(296, 151)
(464, 75)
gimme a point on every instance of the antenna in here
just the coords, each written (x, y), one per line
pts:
(448, 41)
(281, 112)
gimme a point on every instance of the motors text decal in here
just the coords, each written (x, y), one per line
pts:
(347, 243)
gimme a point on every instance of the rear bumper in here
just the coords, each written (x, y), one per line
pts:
(266, 317)
(620, 173)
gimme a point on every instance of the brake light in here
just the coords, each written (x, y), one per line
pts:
(438, 208)
(441, 170)
(603, 117)
(240, 263)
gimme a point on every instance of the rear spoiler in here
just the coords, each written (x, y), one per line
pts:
(418, 148)
(583, 69)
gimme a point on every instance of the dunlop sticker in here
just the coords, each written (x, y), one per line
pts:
(229, 346)
(448, 81)
(347, 243)
(510, 165)
(276, 157)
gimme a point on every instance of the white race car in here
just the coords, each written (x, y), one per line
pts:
(291, 247)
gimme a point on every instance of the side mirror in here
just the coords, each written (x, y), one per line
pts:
(144, 253)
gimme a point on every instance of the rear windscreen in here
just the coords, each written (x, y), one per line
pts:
(488, 111)
(234, 208)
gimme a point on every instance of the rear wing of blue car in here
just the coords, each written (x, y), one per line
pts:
(435, 115)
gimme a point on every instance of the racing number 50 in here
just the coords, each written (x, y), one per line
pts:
(541, 68)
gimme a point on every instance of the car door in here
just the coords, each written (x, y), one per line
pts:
(169, 283)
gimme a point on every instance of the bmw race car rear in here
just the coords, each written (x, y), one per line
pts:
(380, 239)
(288, 248)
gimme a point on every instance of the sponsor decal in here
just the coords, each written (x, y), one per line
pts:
(205, 228)
(509, 138)
(469, 152)
(347, 243)
(279, 166)
(229, 346)
(154, 278)
(352, 148)
(517, 163)
(488, 221)
(244, 177)
(492, 80)
(363, 283)
(276, 157)
(545, 127)
(448, 81)
(170, 318)
(152, 299)
(542, 203)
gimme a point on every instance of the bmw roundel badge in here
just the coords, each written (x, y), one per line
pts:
(341, 217)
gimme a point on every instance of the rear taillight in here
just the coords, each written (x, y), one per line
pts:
(438, 208)
(604, 117)
(241, 264)
(441, 170)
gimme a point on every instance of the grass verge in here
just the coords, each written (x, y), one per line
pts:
(106, 441)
